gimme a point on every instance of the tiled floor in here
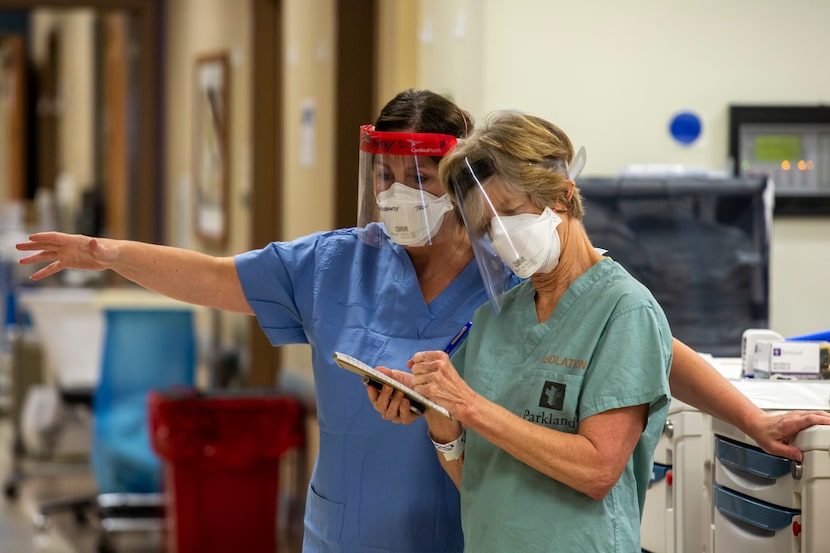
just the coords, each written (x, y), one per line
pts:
(43, 483)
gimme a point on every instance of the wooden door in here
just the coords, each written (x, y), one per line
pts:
(13, 99)
(115, 82)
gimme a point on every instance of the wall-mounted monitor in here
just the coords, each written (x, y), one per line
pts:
(791, 144)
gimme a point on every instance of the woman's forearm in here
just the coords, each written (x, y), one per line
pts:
(694, 381)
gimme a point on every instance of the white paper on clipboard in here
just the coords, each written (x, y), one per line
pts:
(359, 367)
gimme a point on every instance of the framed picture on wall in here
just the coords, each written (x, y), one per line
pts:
(211, 174)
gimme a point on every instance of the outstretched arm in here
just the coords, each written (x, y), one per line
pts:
(177, 273)
(696, 382)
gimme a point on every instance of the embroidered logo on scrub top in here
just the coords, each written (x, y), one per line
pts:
(568, 362)
(553, 396)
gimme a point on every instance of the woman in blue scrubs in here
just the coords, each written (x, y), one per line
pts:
(395, 285)
(402, 280)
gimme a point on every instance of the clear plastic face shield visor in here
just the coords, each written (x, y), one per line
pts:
(399, 187)
(519, 241)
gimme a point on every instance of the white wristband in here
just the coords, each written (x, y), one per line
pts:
(452, 450)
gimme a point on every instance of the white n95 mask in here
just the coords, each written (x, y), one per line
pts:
(527, 243)
(412, 216)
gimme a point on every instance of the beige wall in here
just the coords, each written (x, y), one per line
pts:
(308, 108)
(197, 28)
(308, 105)
(206, 26)
(612, 74)
(397, 52)
(76, 89)
(451, 37)
(800, 271)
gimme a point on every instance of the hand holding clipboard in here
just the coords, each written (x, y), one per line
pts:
(372, 376)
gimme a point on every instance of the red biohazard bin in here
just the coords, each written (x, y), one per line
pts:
(221, 467)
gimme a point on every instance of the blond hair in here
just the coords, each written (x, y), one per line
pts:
(530, 154)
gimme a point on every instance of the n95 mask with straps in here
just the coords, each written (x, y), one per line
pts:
(411, 216)
(527, 243)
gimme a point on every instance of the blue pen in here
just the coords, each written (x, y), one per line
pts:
(457, 339)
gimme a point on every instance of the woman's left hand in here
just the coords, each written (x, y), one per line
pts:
(775, 432)
(390, 403)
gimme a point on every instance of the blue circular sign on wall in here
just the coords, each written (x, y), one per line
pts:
(685, 127)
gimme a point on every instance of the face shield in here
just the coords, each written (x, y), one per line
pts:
(503, 225)
(399, 187)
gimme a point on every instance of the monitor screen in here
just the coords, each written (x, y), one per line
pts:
(777, 147)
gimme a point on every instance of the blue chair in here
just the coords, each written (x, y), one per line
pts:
(143, 350)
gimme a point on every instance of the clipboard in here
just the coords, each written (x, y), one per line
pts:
(372, 377)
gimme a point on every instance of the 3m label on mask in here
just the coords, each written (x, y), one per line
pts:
(412, 216)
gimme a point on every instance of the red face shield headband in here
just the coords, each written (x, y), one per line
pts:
(405, 143)
(398, 186)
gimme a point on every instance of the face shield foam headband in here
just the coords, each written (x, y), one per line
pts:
(399, 186)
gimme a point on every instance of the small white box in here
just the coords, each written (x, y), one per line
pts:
(749, 338)
(783, 358)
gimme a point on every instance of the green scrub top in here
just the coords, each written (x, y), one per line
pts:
(607, 345)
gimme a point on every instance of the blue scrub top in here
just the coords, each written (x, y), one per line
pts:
(376, 486)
